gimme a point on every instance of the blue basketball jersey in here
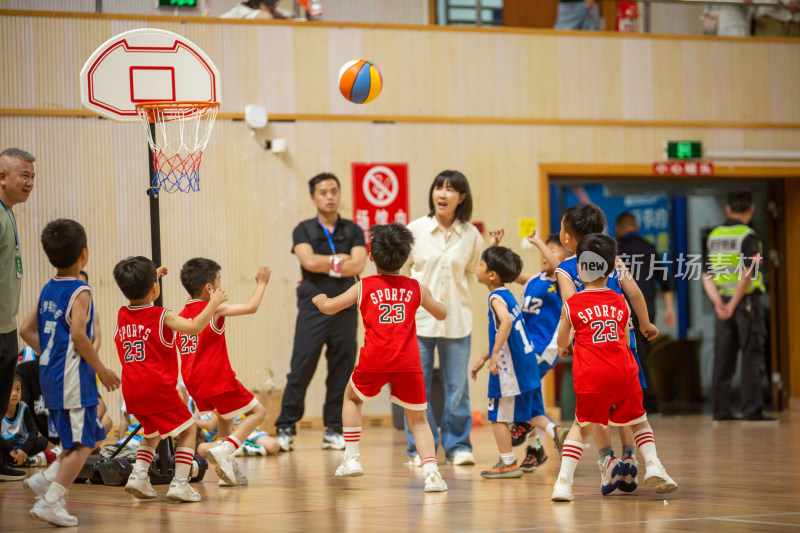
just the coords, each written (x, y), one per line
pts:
(541, 311)
(518, 368)
(569, 267)
(67, 380)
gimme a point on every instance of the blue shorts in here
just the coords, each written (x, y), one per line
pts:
(78, 426)
(636, 356)
(255, 435)
(520, 408)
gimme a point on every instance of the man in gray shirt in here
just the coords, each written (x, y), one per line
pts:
(16, 183)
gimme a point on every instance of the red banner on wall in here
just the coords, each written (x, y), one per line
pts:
(380, 194)
(683, 168)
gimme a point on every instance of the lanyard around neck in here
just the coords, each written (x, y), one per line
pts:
(329, 235)
(13, 222)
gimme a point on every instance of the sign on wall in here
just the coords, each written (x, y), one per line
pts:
(380, 194)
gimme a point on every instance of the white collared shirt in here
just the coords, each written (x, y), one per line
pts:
(446, 267)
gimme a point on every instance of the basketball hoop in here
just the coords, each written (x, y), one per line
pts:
(181, 132)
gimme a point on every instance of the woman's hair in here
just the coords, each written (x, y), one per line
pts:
(459, 182)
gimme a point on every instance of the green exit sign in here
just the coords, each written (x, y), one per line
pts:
(684, 150)
(177, 3)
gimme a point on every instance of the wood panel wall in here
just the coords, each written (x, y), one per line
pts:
(577, 97)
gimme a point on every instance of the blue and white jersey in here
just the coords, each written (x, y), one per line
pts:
(541, 311)
(14, 430)
(518, 370)
(67, 380)
(569, 267)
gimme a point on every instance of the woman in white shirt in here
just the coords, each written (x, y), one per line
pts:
(447, 249)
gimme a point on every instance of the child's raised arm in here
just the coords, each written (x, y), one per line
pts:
(547, 253)
(77, 333)
(195, 326)
(252, 304)
(331, 306)
(564, 332)
(30, 329)
(503, 331)
(495, 236)
(432, 305)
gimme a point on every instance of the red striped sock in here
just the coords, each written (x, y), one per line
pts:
(183, 462)
(646, 442)
(144, 456)
(233, 443)
(429, 463)
(351, 437)
(570, 455)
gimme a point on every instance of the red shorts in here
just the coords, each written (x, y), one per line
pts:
(169, 423)
(228, 404)
(408, 388)
(617, 409)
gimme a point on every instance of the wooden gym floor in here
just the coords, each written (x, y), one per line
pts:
(733, 477)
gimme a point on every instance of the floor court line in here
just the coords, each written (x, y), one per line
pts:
(755, 522)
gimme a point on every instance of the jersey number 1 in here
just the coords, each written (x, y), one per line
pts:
(521, 330)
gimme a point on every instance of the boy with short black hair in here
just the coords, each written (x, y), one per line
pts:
(144, 337)
(206, 367)
(60, 323)
(20, 442)
(515, 391)
(578, 222)
(388, 304)
(604, 369)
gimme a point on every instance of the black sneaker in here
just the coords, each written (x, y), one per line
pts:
(11, 474)
(534, 458)
(727, 418)
(759, 418)
(285, 438)
(519, 432)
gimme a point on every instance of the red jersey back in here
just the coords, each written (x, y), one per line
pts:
(388, 306)
(149, 363)
(205, 366)
(603, 362)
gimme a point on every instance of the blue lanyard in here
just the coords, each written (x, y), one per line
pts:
(14, 222)
(329, 235)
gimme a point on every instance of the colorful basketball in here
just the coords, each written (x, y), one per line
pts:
(360, 81)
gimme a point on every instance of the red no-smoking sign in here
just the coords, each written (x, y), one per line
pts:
(380, 193)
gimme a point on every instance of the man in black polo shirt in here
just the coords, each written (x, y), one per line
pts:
(642, 261)
(332, 253)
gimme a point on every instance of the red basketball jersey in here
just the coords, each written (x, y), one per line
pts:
(388, 306)
(205, 366)
(149, 363)
(602, 359)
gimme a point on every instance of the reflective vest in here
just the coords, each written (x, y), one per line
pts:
(725, 258)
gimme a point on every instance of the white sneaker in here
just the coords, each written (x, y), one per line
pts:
(562, 491)
(656, 476)
(181, 491)
(434, 482)
(351, 466)
(241, 479)
(54, 513)
(332, 440)
(285, 439)
(139, 485)
(463, 457)
(36, 484)
(222, 459)
(414, 461)
(253, 449)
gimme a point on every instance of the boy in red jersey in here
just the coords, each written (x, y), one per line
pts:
(206, 368)
(388, 304)
(144, 338)
(605, 372)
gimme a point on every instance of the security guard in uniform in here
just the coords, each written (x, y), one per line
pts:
(733, 281)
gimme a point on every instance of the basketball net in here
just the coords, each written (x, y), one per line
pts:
(182, 131)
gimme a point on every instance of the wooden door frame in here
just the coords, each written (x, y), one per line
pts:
(787, 343)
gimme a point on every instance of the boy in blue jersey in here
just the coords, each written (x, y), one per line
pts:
(58, 327)
(541, 312)
(514, 386)
(578, 222)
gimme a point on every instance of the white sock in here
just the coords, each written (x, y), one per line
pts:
(429, 464)
(232, 443)
(351, 437)
(54, 493)
(144, 456)
(507, 458)
(569, 459)
(183, 462)
(52, 470)
(551, 430)
(646, 442)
